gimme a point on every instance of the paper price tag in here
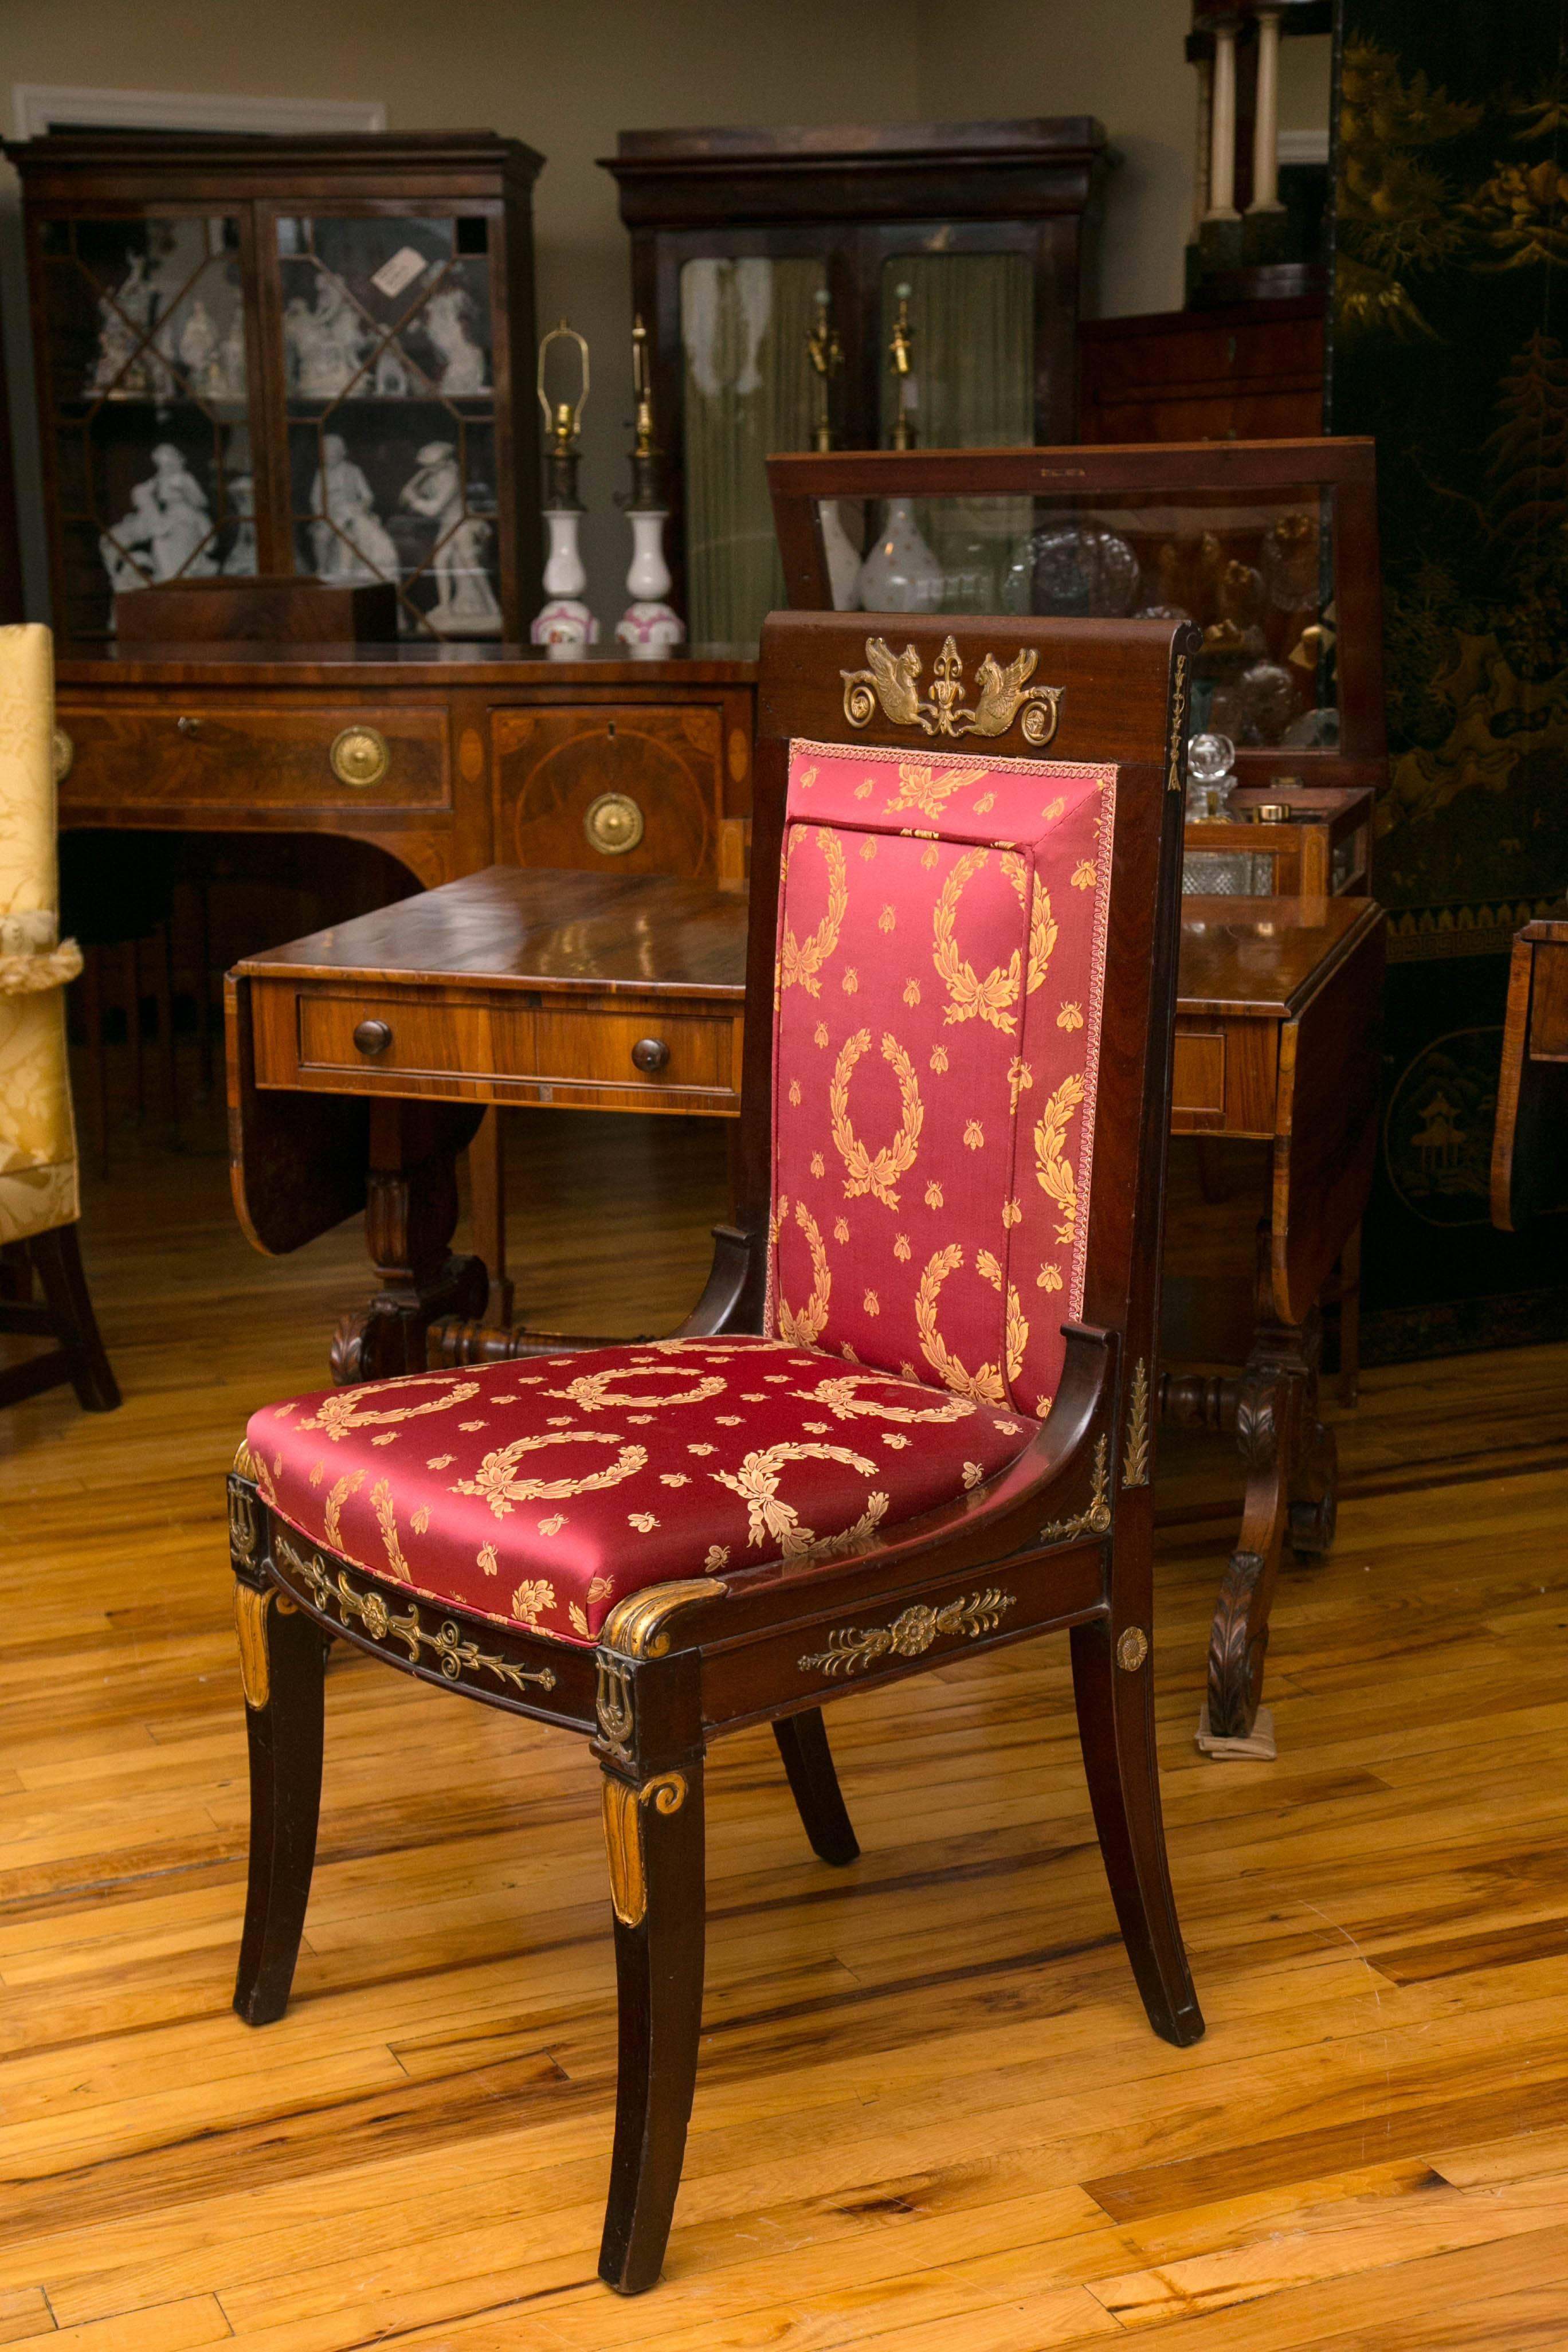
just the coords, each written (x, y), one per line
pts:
(405, 266)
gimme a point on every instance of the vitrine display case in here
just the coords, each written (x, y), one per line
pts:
(774, 267)
(1271, 547)
(282, 354)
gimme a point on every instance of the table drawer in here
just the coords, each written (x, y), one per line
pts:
(598, 1047)
(335, 756)
(1198, 1071)
(519, 1044)
(420, 1040)
(1225, 1076)
(628, 788)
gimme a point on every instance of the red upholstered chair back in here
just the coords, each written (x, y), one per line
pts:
(941, 969)
(953, 1129)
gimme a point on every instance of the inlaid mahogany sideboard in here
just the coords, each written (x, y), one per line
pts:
(450, 759)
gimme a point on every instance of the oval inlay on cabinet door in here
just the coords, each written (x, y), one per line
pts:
(554, 768)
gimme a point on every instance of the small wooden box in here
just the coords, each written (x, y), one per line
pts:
(270, 607)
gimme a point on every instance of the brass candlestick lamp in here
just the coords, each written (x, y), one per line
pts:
(900, 573)
(564, 622)
(900, 364)
(826, 353)
(649, 626)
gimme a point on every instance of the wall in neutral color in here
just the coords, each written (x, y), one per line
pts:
(566, 79)
(1124, 61)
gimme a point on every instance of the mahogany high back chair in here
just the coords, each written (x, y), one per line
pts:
(909, 1418)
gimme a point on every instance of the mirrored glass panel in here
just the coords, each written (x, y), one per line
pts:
(746, 329)
(145, 348)
(388, 360)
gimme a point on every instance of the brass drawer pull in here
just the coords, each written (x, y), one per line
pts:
(372, 1037)
(614, 824)
(650, 1054)
(360, 757)
(62, 754)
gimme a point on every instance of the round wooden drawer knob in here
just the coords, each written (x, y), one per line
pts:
(614, 824)
(372, 1037)
(360, 757)
(650, 1054)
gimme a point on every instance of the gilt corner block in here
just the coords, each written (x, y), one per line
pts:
(638, 1627)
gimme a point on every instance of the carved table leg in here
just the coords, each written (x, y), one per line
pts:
(1347, 1289)
(1292, 1469)
(411, 1214)
(486, 1212)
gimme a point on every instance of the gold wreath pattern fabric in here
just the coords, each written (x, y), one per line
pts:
(934, 1087)
(38, 1188)
(543, 1492)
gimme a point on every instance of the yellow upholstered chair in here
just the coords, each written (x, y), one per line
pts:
(38, 1193)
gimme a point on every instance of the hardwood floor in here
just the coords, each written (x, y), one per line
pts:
(931, 2117)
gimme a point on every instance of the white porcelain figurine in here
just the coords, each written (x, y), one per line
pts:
(327, 345)
(240, 560)
(349, 541)
(166, 533)
(466, 604)
(446, 315)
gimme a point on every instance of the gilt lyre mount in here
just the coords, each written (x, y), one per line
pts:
(890, 681)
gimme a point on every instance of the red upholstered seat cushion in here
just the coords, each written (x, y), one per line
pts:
(543, 1492)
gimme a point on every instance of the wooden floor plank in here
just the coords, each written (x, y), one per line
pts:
(931, 2117)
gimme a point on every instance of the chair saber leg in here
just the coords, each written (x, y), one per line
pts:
(1116, 1729)
(808, 1760)
(282, 1656)
(57, 1256)
(655, 1838)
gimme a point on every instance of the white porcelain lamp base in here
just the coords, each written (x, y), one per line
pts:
(650, 629)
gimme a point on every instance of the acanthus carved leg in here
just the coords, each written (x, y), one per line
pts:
(1271, 1410)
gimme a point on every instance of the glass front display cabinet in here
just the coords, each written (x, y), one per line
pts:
(276, 355)
(853, 287)
(1270, 548)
